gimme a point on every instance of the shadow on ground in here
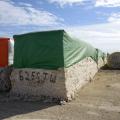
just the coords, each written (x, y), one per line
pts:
(106, 67)
(13, 108)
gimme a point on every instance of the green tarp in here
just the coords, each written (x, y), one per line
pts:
(50, 50)
(100, 54)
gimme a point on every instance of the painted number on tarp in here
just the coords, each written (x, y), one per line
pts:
(40, 77)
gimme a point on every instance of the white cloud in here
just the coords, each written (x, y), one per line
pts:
(25, 4)
(103, 36)
(107, 3)
(64, 2)
(114, 18)
(11, 14)
(97, 3)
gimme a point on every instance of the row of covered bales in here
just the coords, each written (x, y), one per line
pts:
(50, 63)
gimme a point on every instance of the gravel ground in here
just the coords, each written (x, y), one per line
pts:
(99, 100)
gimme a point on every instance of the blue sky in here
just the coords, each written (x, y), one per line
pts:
(95, 21)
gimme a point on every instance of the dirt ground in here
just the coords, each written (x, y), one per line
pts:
(99, 100)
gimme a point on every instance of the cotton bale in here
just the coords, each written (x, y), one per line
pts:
(5, 83)
(62, 83)
(73, 63)
(114, 60)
